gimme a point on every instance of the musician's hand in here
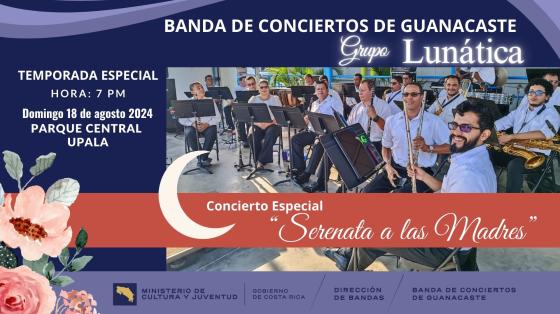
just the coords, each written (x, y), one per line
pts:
(371, 112)
(392, 174)
(202, 127)
(306, 119)
(505, 138)
(418, 143)
(416, 171)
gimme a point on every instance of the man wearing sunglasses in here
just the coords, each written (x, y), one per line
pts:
(471, 171)
(433, 140)
(536, 120)
(552, 78)
(449, 100)
(395, 94)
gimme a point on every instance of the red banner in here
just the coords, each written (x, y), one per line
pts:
(306, 220)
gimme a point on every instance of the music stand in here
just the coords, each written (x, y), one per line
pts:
(306, 92)
(194, 109)
(288, 117)
(219, 93)
(245, 95)
(251, 113)
(323, 124)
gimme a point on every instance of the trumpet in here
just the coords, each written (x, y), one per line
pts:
(413, 154)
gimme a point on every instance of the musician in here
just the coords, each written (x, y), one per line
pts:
(395, 94)
(208, 81)
(433, 140)
(241, 83)
(536, 120)
(357, 81)
(552, 78)
(407, 79)
(265, 134)
(309, 81)
(471, 171)
(324, 104)
(334, 94)
(206, 126)
(241, 86)
(477, 74)
(448, 101)
(251, 84)
(370, 113)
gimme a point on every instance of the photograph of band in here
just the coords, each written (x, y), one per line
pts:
(360, 130)
(365, 130)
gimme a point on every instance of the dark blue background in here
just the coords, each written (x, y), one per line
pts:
(135, 163)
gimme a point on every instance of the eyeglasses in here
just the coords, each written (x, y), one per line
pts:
(411, 94)
(465, 128)
(536, 92)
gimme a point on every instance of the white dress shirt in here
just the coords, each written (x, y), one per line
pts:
(434, 132)
(525, 120)
(213, 120)
(391, 97)
(337, 101)
(448, 106)
(470, 172)
(359, 114)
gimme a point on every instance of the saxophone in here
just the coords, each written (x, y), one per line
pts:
(532, 160)
(520, 148)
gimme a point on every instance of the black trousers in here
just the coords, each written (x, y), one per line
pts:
(228, 117)
(515, 170)
(381, 183)
(210, 136)
(264, 142)
(432, 257)
(299, 141)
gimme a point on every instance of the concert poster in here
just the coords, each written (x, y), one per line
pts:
(211, 156)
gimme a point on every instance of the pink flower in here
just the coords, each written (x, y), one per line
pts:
(35, 227)
(78, 302)
(22, 291)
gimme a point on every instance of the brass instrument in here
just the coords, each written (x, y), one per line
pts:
(439, 107)
(539, 144)
(520, 148)
(532, 160)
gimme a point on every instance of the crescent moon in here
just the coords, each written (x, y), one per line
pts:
(171, 208)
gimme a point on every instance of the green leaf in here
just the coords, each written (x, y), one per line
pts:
(79, 263)
(42, 163)
(64, 191)
(81, 239)
(7, 258)
(62, 281)
(38, 265)
(64, 256)
(48, 270)
(14, 166)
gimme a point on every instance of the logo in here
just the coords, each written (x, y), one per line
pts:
(124, 294)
